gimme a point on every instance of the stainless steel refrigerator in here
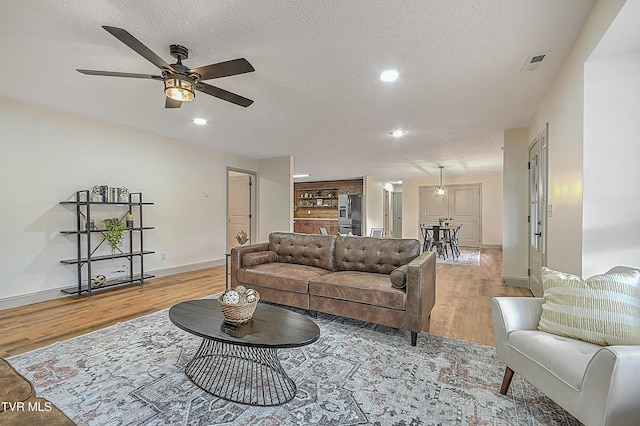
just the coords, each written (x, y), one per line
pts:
(350, 214)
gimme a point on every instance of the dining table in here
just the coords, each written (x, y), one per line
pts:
(441, 233)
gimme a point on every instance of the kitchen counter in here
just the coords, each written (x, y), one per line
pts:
(312, 225)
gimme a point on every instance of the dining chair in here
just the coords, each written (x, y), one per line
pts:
(449, 241)
(376, 232)
(454, 241)
(439, 243)
(427, 237)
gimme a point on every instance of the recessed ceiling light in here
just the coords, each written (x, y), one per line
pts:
(389, 75)
(200, 121)
(398, 133)
(302, 175)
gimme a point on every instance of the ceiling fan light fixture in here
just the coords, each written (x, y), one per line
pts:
(179, 89)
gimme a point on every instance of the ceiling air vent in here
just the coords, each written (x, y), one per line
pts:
(534, 61)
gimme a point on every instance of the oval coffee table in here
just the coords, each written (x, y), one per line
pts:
(240, 363)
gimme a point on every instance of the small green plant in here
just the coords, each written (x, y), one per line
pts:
(242, 237)
(114, 234)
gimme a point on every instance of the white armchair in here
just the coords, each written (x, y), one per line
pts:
(599, 385)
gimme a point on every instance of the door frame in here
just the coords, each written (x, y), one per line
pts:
(252, 204)
(543, 178)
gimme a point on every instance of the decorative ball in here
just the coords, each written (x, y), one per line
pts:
(250, 291)
(251, 298)
(98, 280)
(231, 297)
(241, 289)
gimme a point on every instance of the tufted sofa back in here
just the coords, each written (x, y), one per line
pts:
(378, 255)
(304, 249)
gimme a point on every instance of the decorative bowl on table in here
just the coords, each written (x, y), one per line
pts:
(239, 304)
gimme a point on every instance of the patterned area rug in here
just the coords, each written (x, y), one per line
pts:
(355, 374)
(468, 257)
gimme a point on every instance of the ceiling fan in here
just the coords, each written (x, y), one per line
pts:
(180, 82)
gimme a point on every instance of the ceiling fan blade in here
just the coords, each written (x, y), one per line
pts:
(172, 103)
(119, 74)
(224, 69)
(140, 48)
(223, 94)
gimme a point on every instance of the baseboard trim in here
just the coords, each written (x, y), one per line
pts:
(31, 298)
(492, 246)
(515, 282)
(56, 293)
(175, 270)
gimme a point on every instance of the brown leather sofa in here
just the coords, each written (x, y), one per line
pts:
(380, 280)
(20, 406)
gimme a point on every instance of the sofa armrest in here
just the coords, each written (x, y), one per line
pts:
(610, 392)
(513, 313)
(236, 257)
(421, 291)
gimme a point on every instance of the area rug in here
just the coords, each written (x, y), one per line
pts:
(468, 257)
(357, 373)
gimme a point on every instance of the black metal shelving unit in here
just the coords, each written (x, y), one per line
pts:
(84, 258)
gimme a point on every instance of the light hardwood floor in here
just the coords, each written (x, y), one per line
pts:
(462, 307)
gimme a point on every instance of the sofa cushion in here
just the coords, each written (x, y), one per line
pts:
(304, 249)
(565, 358)
(285, 277)
(258, 257)
(603, 309)
(377, 255)
(362, 287)
(398, 276)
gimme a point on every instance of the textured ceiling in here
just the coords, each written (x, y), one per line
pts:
(316, 88)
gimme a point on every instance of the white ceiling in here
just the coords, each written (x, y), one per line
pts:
(316, 88)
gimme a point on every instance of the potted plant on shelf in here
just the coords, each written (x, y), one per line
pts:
(242, 237)
(114, 234)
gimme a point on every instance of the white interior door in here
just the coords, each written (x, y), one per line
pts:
(239, 207)
(431, 208)
(462, 205)
(387, 224)
(537, 212)
(397, 214)
(464, 209)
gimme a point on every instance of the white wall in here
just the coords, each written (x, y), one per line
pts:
(611, 219)
(275, 200)
(491, 204)
(515, 246)
(48, 155)
(374, 204)
(563, 109)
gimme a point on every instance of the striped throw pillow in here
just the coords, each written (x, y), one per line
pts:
(603, 309)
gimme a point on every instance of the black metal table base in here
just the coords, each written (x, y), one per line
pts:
(243, 374)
